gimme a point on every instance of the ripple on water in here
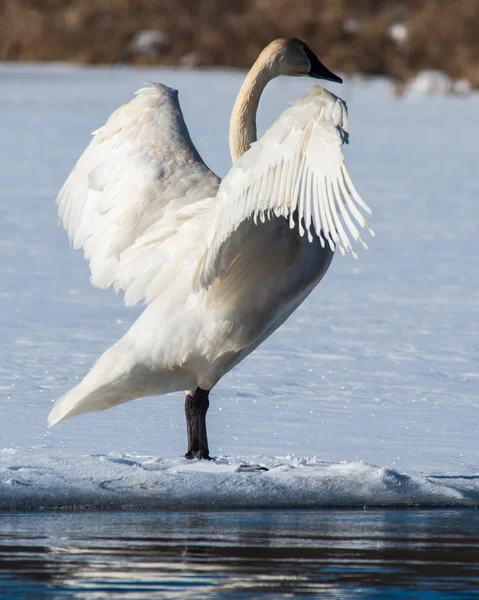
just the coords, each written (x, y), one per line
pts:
(243, 554)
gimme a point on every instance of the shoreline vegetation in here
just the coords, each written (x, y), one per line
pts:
(393, 38)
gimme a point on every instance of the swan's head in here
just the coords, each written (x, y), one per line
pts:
(293, 57)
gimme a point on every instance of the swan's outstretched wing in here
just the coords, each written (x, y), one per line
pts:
(296, 171)
(140, 171)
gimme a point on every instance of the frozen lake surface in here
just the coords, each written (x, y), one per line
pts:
(367, 395)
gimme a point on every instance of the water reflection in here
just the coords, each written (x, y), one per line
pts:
(347, 554)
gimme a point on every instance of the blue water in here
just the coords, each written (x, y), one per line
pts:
(400, 554)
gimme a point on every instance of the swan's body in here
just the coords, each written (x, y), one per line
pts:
(220, 264)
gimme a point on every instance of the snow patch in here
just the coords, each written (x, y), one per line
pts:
(31, 481)
(437, 83)
(351, 25)
(149, 43)
(398, 32)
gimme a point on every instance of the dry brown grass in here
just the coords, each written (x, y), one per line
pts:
(443, 34)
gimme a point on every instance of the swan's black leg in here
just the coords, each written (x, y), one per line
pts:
(196, 406)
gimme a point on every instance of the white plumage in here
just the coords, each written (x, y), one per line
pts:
(138, 172)
(220, 264)
(296, 170)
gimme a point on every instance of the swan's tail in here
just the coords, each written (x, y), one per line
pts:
(115, 378)
(69, 405)
(112, 380)
(78, 401)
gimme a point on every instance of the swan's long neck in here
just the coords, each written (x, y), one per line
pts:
(243, 117)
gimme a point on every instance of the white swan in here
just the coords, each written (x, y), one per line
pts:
(221, 264)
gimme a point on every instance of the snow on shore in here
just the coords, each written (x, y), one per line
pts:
(128, 482)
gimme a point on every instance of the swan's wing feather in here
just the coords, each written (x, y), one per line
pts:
(296, 170)
(140, 170)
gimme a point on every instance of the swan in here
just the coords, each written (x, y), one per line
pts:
(220, 264)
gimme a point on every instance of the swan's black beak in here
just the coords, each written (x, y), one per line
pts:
(318, 70)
